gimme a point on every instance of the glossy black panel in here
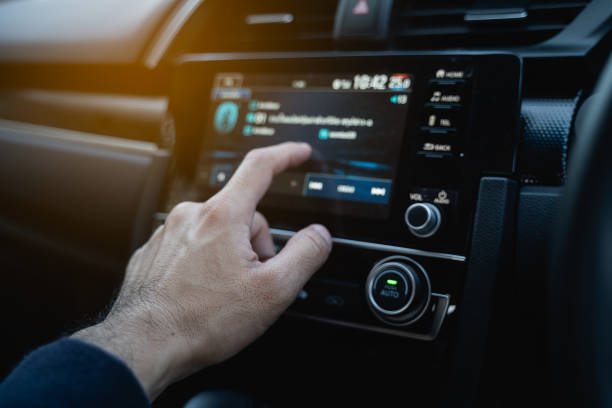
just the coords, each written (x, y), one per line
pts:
(461, 124)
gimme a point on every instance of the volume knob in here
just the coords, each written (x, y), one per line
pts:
(423, 219)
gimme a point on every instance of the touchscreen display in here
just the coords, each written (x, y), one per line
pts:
(353, 121)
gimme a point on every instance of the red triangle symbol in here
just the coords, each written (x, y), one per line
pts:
(361, 8)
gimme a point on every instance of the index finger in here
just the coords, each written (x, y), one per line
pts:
(256, 172)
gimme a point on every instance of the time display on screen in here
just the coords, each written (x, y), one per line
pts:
(379, 82)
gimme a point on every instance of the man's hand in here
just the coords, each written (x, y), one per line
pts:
(208, 282)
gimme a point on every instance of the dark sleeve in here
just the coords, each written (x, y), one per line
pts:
(72, 373)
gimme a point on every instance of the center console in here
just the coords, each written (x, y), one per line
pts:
(400, 144)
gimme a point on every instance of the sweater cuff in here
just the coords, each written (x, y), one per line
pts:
(72, 373)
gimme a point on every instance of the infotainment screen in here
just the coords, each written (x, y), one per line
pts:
(353, 121)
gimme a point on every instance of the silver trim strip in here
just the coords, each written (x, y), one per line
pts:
(440, 314)
(286, 235)
(81, 138)
(166, 35)
(495, 15)
(278, 18)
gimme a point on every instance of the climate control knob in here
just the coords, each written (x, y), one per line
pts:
(423, 219)
(398, 290)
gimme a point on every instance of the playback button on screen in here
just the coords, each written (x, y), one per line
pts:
(362, 189)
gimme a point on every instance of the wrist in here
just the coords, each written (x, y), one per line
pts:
(149, 359)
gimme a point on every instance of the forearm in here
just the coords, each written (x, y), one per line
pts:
(71, 373)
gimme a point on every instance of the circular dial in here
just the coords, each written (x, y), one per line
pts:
(398, 290)
(393, 289)
(423, 219)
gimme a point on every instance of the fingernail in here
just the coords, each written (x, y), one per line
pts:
(323, 232)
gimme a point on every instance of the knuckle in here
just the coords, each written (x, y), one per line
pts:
(260, 219)
(180, 213)
(256, 156)
(158, 231)
(135, 258)
(215, 210)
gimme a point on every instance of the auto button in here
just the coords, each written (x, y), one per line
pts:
(393, 291)
(398, 290)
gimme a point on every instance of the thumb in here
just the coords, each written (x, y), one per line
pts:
(302, 256)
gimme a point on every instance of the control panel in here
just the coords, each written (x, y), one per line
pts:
(400, 142)
(409, 295)
(445, 106)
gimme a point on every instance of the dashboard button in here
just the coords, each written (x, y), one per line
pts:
(436, 146)
(423, 219)
(443, 119)
(393, 290)
(398, 290)
(331, 299)
(441, 197)
(418, 216)
(362, 18)
(221, 174)
(436, 141)
(453, 74)
(445, 95)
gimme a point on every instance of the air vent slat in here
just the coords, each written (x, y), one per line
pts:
(464, 30)
(442, 23)
(435, 31)
(311, 24)
(434, 12)
(555, 6)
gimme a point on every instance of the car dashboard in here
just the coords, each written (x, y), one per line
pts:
(441, 133)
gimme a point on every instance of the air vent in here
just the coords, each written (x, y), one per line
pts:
(466, 23)
(271, 24)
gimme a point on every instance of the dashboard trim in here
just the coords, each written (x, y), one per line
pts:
(168, 33)
(231, 56)
(285, 235)
(79, 138)
(442, 305)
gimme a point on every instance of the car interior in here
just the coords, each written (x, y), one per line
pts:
(459, 162)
